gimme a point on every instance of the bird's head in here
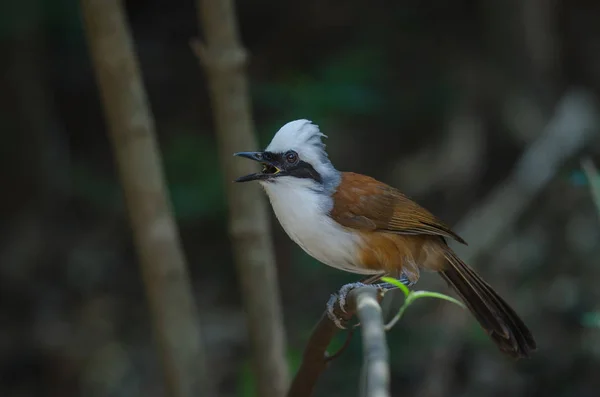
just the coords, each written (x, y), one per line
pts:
(295, 154)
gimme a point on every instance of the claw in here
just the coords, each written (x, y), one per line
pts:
(330, 305)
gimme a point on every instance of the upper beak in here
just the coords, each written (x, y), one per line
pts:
(256, 156)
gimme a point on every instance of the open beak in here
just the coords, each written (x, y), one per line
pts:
(270, 170)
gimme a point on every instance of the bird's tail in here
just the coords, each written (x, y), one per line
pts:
(496, 317)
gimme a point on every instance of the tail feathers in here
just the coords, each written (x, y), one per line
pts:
(498, 319)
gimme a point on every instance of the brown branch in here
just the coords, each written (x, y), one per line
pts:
(338, 353)
(156, 238)
(223, 60)
(315, 358)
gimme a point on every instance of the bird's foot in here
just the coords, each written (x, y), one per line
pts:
(340, 297)
(330, 313)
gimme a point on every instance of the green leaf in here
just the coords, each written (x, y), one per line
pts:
(398, 284)
(429, 294)
(413, 296)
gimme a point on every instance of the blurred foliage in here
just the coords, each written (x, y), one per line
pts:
(593, 179)
(246, 384)
(406, 90)
(591, 319)
(194, 176)
(343, 85)
(193, 173)
(22, 17)
(99, 190)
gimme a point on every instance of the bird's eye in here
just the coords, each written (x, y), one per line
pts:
(291, 157)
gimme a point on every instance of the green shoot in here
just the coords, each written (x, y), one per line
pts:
(411, 296)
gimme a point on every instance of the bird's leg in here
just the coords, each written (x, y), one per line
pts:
(404, 280)
(372, 279)
(387, 286)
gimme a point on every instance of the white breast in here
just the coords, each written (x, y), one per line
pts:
(303, 214)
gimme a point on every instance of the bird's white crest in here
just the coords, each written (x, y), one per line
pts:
(297, 134)
(304, 137)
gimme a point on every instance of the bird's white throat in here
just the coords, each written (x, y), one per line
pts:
(302, 208)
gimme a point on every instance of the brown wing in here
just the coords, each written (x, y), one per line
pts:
(367, 204)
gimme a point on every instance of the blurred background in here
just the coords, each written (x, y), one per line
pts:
(438, 98)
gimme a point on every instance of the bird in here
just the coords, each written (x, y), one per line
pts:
(360, 225)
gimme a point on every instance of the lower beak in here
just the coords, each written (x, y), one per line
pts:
(257, 156)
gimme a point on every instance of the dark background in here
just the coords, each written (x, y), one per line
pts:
(438, 98)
